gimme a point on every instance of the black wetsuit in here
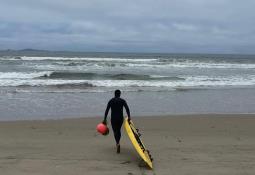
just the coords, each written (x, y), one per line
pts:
(116, 104)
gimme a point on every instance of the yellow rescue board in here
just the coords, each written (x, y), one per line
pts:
(137, 142)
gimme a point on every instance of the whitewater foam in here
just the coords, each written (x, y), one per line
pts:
(23, 75)
(143, 72)
(188, 82)
(25, 58)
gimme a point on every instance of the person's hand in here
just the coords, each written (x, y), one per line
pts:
(104, 122)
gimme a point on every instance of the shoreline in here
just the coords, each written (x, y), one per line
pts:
(143, 116)
(180, 144)
(56, 106)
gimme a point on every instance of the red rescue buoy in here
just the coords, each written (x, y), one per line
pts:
(103, 129)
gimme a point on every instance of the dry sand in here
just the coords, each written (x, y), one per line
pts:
(192, 145)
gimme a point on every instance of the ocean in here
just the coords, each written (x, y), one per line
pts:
(52, 86)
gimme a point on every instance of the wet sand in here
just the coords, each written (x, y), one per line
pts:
(191, 144)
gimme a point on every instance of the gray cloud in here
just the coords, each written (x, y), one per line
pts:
(219, 26)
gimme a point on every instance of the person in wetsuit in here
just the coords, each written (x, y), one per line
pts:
(116, 105)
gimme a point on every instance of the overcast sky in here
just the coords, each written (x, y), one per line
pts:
(183, 26)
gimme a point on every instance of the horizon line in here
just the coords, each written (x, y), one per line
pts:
(121, 52)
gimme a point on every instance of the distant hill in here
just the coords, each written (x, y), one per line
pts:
(34, 52)
(46, 53)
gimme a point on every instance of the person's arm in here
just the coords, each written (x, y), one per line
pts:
(106, 112)
(127, 110)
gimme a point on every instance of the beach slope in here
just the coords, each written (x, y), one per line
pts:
(199, 145)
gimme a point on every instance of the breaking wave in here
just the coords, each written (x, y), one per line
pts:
(143, 73)
(192, 81)
(163, 63)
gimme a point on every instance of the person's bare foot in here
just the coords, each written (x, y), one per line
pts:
(118, 148)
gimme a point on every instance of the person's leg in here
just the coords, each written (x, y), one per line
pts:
(116, 127)
(117, 138)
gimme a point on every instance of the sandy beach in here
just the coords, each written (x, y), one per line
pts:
(201, 144)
